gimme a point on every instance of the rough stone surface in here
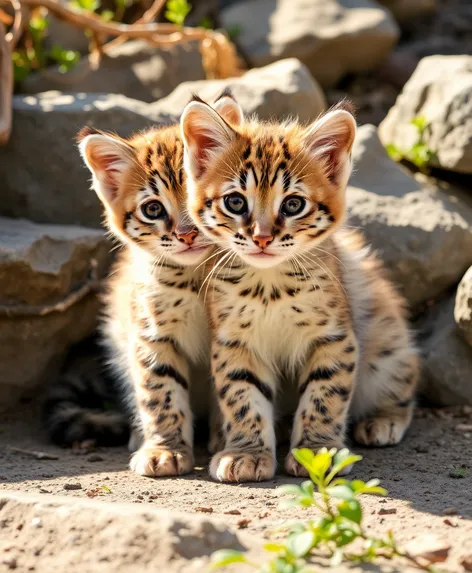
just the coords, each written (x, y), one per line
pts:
(463, 306)
(415, 226)
(275, 91)
(332, 37)
(406, 9)
(44, 178)
(134, 69)
(41, 266)
(447, 358)
(440, 89)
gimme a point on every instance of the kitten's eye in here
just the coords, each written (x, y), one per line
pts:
(293, 206)
(153, 210)
(236, 203)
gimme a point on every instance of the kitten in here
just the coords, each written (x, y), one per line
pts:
(155, 326)
(299, 295)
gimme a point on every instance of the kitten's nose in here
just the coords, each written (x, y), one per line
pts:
(187, 237)
(263, 241)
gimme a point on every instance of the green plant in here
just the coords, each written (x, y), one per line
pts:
(419, 154)
(177, 11)
(336, 528)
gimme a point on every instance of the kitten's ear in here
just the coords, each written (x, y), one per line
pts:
(229, 108)
(107, 158)
(205, 134)
(329, 141)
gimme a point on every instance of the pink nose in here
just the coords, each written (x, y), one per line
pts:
(263, 241)
(187, 237)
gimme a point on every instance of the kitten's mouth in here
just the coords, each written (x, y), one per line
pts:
(192, 250)
(261, 255)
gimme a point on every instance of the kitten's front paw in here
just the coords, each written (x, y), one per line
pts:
(381, 431)
(235, 466)
(158, 461)
(293, 468)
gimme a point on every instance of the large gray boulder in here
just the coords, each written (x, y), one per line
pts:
(423, 234)
(447, 358)
(43, 177)
(134, 69)
(440, 90)
(332, 37)
(279, 90)
(463, 306)
(48, 281)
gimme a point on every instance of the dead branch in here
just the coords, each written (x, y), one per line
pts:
(6, 86)
(32, 453)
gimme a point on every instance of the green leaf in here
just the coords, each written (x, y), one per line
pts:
(299, 544)
(394, 152)
(316, 464)
(107, 15)
(308, 488)
(341, 460)
(207, 23)
(226, 557)
(290, 489)
(106, 488)
(177, 11)
(351, 510)
(340, 492)
(234, 31)
(274, 547)
(420, 122)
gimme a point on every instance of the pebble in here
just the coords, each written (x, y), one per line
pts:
(95, 458)
(450, 511)
(387, 511)
(466, 562)
(204, 509)
(72, 486)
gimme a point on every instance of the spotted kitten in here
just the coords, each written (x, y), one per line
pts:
(298, 295)
(155, 326)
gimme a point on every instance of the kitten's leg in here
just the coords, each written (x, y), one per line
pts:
(390, 421)
(245, 389)
(326, 388)
(217, 440)
(160, 377)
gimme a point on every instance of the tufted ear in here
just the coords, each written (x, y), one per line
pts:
(205, 134)
(329, 141)
(229, 108)
(108, 158)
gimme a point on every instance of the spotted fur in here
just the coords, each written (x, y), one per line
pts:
(293, 292)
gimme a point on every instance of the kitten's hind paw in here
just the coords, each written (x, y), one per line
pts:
(158, 461)
(236, 466)
(380, 431)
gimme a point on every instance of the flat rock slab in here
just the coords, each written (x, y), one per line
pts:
(422, 232)
(48, 284)
(139, 524)
(332, 37)
(440, 90)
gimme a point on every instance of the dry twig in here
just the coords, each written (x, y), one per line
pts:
(32, 453)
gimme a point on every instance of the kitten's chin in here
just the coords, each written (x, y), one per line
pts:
(262, 260)
(191, 257)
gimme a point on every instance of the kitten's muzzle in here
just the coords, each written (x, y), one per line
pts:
(262, 241)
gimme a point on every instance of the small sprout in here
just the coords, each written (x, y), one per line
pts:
(177, 11)
(458, 473)
(419, 154)
(106, 489)
(334, 530)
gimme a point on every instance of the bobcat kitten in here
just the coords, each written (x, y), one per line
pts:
(155, 326)
(295, 293)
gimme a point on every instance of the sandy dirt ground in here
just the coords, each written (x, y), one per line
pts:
(428, 477)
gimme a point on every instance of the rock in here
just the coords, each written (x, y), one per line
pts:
(45, 300)
(415, 226)
(44, 178)
(134, 69)
(440, 90)
(463, 306)
(447, 358)
(278, 90)
(405, 9)
(332, 37)
(83, 535)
